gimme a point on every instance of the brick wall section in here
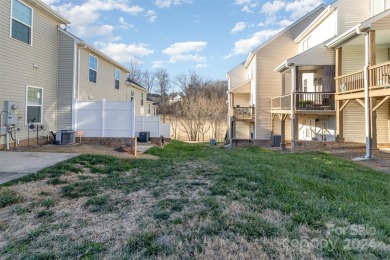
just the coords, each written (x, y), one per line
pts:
(249, 143)
(130, 143)
(301, 146)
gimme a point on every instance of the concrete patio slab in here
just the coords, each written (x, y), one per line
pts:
(14, 165)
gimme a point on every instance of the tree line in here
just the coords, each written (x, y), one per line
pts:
(202, 108)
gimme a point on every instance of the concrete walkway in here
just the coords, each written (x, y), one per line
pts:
(14, 165)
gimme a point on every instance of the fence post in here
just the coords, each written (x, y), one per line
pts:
(102, 118)
(159, 126)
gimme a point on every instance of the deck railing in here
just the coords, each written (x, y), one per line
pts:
(380, 76)
(244, 112)
(281, 102)
(314, 101)
(305, 101)
(353, 82)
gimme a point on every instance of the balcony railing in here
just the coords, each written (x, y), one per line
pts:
(281, 103)
(353, 82)
(380, 76)
(305, 101)
(244, 112)
(314, 101)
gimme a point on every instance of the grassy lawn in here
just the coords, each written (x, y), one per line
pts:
(198, 201)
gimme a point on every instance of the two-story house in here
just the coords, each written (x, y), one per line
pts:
(362, 77)
(253, 83)
(28, 67)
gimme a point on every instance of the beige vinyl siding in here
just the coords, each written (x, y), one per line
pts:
(237, 76)
(377, 6)
(268, 82)
(350, 13)
(319, 55)
(242, 99)
(354, 123)
(139, 110)
(353, 57)
(16, 66)
(105, 83)
(65, 81)
(242, 130)
(277, 128)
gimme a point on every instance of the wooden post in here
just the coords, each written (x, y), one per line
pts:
(339, 103)
(283, 132)
(374, 145)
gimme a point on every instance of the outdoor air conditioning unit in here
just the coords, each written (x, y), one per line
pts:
(144, 137)
(66, 137)
(276, 139)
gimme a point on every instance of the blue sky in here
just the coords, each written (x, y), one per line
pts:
(208, 36)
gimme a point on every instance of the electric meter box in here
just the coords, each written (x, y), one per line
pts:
(11, 115)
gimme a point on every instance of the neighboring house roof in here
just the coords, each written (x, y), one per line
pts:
(253, 52)
(359, 28)
(136, 85)
(83, 44)
(317, 55)
(325, 14)
(48, 10)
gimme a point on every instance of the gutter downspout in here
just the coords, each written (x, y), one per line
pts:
(366, 94)
(292, 68)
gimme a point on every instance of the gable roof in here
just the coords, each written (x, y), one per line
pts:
(135, 84)
(83, 44)
(47, 9)
(252, 53)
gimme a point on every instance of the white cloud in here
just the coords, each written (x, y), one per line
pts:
(238, 27)
(272, 7)
(285, 23)
(244, 46)
(241, 2)
(50, 2)
(158, 64)
(87, 14)
(123, 24)
(246, 10)
(202, 65)
(299, 8)
(124, 53)
(151, 15)
(186, 52)
(169, 3)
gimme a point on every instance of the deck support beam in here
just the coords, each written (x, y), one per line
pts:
(339, 103)
(374, 145)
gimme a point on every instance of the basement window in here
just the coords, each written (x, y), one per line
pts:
(21, 24)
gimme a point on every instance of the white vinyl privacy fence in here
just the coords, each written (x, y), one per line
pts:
(153, 125)
(105, 118)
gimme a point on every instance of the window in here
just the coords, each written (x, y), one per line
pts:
(93, 62)
(305, 85)
(149, 109)
(131, 94)
(142, 98)
(21, 24)
(34, 97)
(117, 78)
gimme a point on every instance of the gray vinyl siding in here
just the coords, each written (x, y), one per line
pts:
(16, 66)
(268, 82)
(65, 81)
(105, 83)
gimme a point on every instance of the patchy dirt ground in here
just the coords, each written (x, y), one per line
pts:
(91, 149)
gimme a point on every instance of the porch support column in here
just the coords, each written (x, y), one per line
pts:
(283, 132)
(339, 103)
(293, 116)
(372, 58)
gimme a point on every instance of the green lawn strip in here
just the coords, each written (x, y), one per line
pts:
(196, 183)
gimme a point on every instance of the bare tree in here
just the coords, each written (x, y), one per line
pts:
(135, 73)
(147, 80)
(162, 86)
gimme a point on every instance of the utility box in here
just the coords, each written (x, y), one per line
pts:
(66, 137)
(276, 139)
(213, 141)
(11, 113)
(144, 137)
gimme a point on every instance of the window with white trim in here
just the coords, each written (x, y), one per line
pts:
(149, 109)
(34, 101)
(142, 98)
(131, 94)
(21, 24)
(93, 63)
(117, 78)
